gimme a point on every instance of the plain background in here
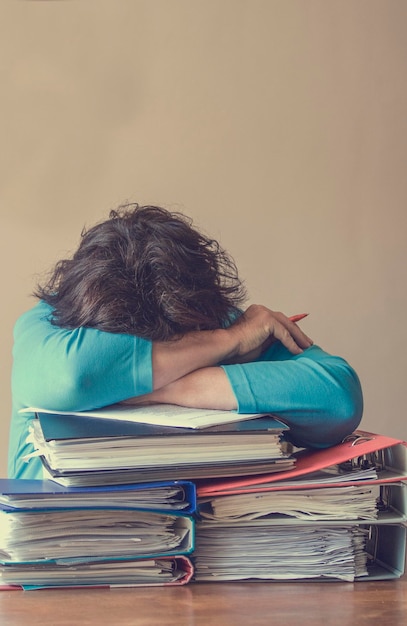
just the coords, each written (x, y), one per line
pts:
(278, 125)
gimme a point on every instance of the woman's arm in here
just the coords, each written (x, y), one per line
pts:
(318, 395)
(206, 388)
(241, 342)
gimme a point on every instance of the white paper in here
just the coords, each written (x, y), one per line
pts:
(159, 415)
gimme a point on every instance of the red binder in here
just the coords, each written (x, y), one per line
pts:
(389, 454)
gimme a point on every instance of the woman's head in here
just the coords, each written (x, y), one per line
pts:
(144, 271)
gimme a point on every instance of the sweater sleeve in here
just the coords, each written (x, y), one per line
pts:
(77, 369)
(316, 394)
(69, 370)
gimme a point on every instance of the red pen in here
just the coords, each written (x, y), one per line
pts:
(297, 318)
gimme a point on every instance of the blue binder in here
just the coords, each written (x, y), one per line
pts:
(24, 494)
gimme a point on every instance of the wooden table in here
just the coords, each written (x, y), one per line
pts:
(382, 603)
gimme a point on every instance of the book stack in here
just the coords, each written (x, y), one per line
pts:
(235, 502)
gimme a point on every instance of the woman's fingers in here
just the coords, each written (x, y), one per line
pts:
(290, 335)
(259, 327)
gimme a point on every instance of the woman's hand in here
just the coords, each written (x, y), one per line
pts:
(258, 328)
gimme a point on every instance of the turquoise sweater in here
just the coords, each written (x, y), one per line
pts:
(318, 395)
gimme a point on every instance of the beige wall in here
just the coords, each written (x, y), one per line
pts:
(278, 125)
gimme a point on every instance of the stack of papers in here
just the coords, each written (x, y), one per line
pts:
(339, 514)
(263, 513)
(137, 444)
(126, 535)
(347, 503)
(85, 533)
(127, 573)
(259, 551)
(46, 494)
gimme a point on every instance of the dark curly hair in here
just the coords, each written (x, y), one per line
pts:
(145, 271)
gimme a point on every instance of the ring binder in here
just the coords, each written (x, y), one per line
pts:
(356, 439)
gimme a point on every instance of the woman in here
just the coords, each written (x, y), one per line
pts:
(149, 309)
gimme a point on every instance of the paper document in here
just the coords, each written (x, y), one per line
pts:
(160, 415)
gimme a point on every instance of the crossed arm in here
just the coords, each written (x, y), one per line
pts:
(186, 371)
(268, 365)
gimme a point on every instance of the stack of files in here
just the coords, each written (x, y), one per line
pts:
(261, 552)
(340, 514)
(124, 444)
(131, 535)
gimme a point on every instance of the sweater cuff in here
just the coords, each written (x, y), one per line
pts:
(245, 398)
